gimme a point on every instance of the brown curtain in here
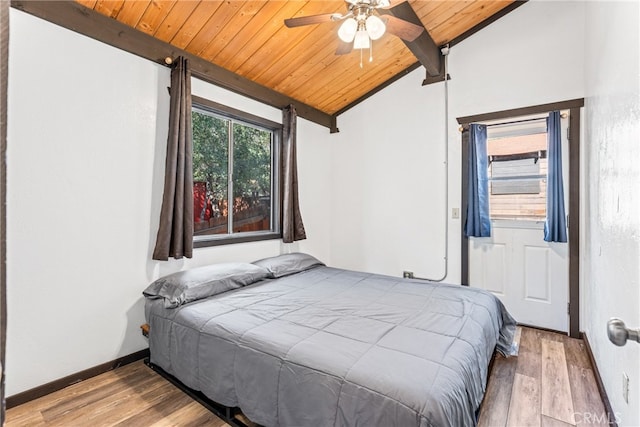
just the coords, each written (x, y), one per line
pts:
(4, 64)
(292, 226)
(175, 234)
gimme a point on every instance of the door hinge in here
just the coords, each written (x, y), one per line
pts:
(568, 308)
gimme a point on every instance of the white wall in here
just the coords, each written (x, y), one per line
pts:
(388, 178)
(87, 138)
(388, 167)
(612, 256)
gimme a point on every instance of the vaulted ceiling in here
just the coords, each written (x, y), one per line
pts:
(250, 40)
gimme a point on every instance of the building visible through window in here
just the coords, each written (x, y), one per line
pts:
(233, 174)
(518, 170)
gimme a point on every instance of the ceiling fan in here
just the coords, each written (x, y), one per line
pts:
(364, 21)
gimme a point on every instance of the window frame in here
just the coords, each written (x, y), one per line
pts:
(242, 117)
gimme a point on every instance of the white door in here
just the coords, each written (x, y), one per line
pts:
(529, 275)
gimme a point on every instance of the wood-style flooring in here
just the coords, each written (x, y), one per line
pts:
(132, 395)
(549, 383)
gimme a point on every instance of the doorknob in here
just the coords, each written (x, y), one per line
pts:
(619, 333)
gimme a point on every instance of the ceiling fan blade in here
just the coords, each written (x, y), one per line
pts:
(344, 48)
(403, 29)
(310, 20)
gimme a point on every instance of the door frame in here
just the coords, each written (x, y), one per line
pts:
(574, 106)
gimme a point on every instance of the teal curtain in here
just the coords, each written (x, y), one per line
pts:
(478, 222)
(555, 226)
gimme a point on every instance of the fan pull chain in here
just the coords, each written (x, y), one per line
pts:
(371, 51)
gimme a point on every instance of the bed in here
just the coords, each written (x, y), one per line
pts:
(293, 342)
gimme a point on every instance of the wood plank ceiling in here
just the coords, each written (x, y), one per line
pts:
(249, 39)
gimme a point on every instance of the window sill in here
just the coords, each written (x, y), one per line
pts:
(206, 241)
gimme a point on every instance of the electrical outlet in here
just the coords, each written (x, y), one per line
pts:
(407, 274)
(625, 387)
(455, 213)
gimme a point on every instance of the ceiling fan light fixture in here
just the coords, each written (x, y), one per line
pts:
(383, 3)
(375, 27)
(361, 40)
(347, 30)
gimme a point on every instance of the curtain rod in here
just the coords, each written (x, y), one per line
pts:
(516, 121)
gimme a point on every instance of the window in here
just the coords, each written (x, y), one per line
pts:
(235, 185)
(518, 170)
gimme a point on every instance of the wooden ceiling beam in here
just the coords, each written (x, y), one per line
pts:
(73, 16)
(423, 47)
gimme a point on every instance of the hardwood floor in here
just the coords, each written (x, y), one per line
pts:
(132, 395)
(549, 383)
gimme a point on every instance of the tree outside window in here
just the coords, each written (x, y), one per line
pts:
(231, 157)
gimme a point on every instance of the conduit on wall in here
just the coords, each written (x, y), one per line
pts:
(445, 54)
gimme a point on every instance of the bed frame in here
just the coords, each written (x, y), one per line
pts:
(226, 413)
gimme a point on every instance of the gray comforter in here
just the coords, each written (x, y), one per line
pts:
(330, 347)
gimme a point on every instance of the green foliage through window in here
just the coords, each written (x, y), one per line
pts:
(224, 148)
